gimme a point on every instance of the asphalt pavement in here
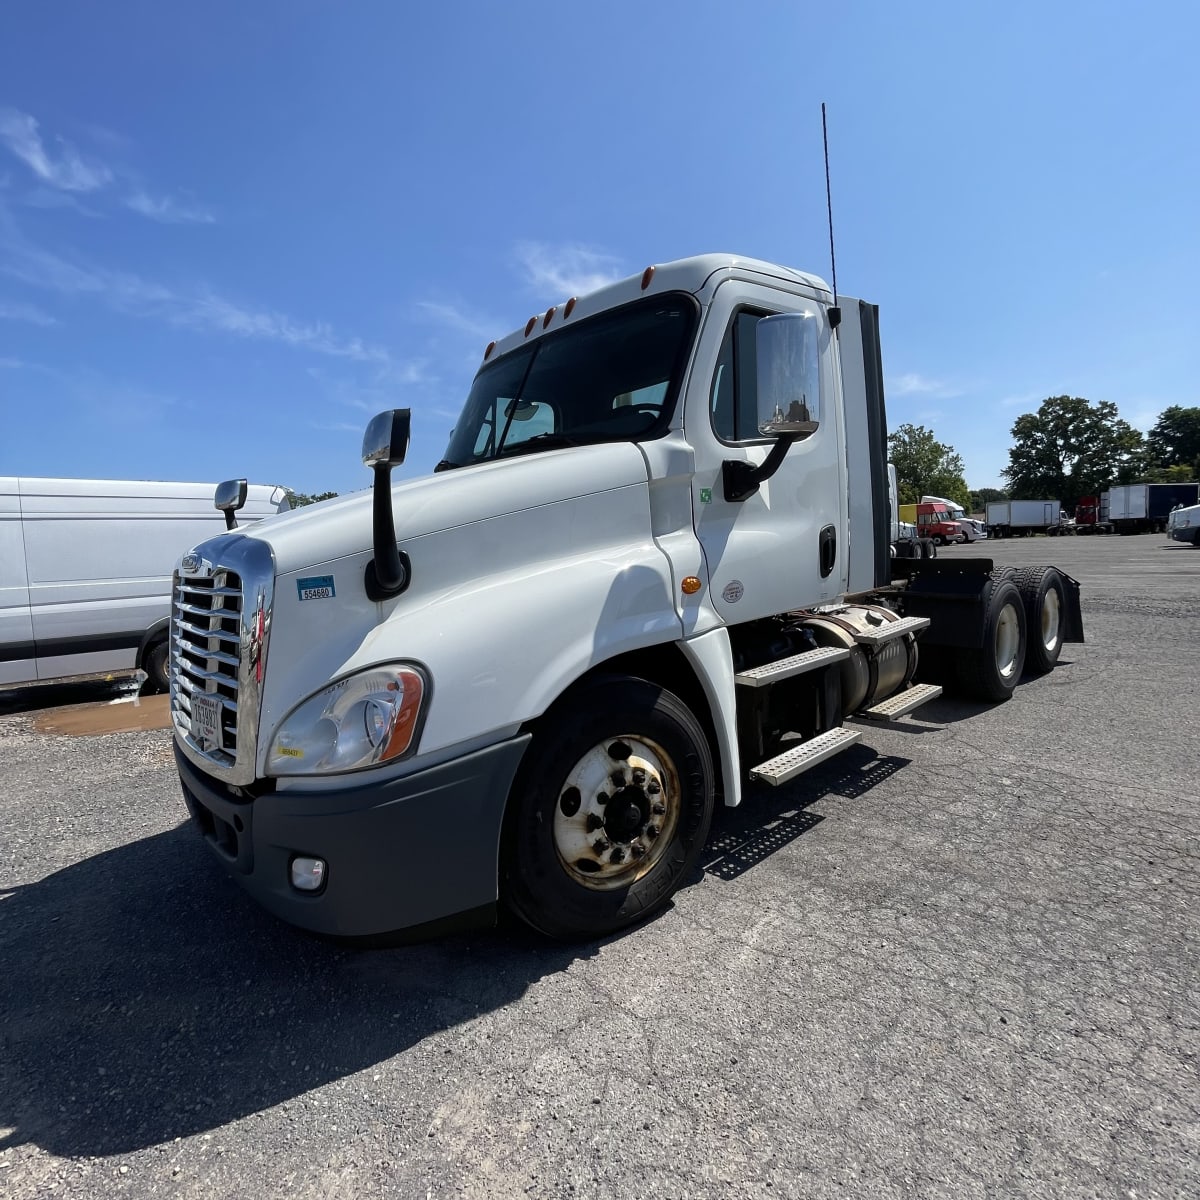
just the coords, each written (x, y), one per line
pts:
(959, 960)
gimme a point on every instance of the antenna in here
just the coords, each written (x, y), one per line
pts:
(835, 313)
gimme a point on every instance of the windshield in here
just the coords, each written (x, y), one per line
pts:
(611, 378)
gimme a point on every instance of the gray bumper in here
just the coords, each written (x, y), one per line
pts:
(400, 854)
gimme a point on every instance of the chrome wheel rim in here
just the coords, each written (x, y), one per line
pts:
(1050, 620)
(616, 812)
(1008, 641)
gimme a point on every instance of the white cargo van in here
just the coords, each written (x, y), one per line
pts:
(85, 570)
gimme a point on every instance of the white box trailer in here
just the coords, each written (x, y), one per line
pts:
(1128, 502)
(1020, 518)
(85, 570)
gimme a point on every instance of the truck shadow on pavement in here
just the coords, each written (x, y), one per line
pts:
(770, 818)
(145, 998)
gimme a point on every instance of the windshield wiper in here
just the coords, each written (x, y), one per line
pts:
(543, 441)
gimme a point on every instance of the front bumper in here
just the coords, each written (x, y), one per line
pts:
(399, 854)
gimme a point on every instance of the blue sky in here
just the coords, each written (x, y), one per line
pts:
(229, 233)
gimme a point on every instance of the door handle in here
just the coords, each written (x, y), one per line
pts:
(828, 544)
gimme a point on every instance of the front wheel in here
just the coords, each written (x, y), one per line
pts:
(609, 811)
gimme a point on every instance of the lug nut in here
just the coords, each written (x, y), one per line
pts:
(654, 787)
(637, 850)
(617, 856)
(618, 779)
(600, 845)
(658, 809)
(594, 821)
(639, 776)
(652, 831)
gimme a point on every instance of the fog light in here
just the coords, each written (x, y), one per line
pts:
(308, 874)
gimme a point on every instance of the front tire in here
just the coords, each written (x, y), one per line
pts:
(993, 671)
(609, 811)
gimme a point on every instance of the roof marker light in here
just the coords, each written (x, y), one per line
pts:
(530, 324)
(647, 275)
(569, 309)
(547, 318)
(488, 352)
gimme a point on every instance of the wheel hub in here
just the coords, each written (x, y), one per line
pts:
(616, 812)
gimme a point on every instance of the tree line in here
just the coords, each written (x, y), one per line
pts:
(1068, 449)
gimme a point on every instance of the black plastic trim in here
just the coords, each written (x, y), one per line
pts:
(88, 643)
(868, 317)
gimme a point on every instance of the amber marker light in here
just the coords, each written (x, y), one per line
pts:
(569, 309)
(530, 324)
(647, 275)
(488, 352)
(548, 317)
(690, 585)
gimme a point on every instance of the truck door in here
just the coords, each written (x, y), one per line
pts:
(784, 547)
(16, 625)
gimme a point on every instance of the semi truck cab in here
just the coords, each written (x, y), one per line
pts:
(652, 565)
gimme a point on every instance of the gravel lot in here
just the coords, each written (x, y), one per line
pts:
(961, 960)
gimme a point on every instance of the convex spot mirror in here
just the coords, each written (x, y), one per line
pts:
(386, 440)
(788, 356)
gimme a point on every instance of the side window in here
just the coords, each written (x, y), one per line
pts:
(734, 398)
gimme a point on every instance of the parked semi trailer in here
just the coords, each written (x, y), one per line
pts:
(1145, 507)
(653, 566)
(1021, 518)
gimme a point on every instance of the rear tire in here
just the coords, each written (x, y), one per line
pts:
(609, 812)
(156, 664)
(993, 671)
(1045, 598)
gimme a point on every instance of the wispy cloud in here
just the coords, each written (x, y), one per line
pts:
(1027, 400)
(913, 384)
(64, 173)
(16, 311)
(166, 210)
(460, 320)
(61, 167)
(562, 271)
(192, 308)
(11, 364)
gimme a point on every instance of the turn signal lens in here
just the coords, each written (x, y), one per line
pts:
(690, 585)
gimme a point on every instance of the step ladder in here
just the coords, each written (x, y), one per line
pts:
(891, 629)
(900, 704)
(786, 766)
(796, 664)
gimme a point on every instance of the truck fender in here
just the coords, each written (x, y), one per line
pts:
(711, 657)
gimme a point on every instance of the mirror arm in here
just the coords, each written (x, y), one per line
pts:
(388, 572)
(741, 480)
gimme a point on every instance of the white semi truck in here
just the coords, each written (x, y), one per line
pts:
(653, 566)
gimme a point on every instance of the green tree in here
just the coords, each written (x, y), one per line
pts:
(1175, 439)
(1071, 448)
(300, 499)
(982, 497)
(925, 466)
(1180, 473)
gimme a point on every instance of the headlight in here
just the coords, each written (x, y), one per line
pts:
(360, 721)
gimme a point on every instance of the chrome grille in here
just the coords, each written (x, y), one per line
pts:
(206, 644)
(220, 625)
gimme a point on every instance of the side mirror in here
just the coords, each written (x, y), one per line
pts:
(228, 498)
(384, 446)
(788, 365)
(386, 441)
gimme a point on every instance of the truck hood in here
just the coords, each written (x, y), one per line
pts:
(334, 529)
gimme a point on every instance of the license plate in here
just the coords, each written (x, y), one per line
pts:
(206, 721)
